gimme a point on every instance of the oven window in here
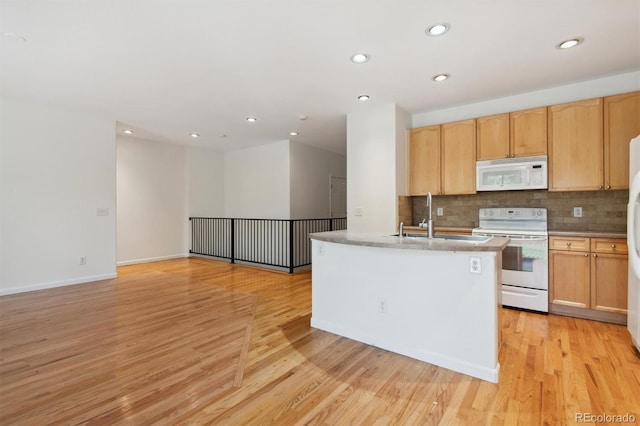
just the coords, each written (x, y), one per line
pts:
(517, 259)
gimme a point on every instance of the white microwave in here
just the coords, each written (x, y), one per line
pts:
(512, 173)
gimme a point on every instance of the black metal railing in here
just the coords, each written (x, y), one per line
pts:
(282, 243)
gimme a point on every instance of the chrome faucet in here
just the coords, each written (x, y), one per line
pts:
(401, 229)
(430, 223)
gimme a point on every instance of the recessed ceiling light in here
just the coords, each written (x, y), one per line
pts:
(438, 29)
(293, 133)
(568, 44)
(363, 97)
(360, 58)
(128, 131)
(440, 77)
(194, 135)
(303, 117)
(222, 135)
(252, 119)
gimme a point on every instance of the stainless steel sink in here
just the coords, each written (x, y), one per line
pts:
(449, 237)
(470, 238)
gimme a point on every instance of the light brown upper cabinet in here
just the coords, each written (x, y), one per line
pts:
(576, 147)
(528, 132)
(493, 137)
(442, 159)
(424, 160)
(516, 134)
(458, 141)
(621, 124)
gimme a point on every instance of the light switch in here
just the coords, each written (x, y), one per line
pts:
(577, 212)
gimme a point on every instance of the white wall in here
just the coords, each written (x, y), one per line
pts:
(311, 169)
(57, 167)
(256, 182)
(373, 136)
(433, 316)
(152, 200)
(621, 83)
(206, 182)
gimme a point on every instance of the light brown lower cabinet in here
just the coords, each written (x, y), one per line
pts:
(588, 278)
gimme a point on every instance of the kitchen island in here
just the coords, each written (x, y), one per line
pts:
(435, 300)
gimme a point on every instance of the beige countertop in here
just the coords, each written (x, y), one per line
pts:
(409, 243)
(587, 234)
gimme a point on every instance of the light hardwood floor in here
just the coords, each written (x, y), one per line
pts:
(195, 341)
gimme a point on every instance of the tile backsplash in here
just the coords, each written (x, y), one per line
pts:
(601, 210)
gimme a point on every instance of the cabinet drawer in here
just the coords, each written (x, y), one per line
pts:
(569, 243)
(609, 245)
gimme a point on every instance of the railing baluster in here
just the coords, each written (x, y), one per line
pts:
(275, 242)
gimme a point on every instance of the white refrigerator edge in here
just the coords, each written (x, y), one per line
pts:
(633, 241)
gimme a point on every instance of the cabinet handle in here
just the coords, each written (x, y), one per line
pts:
(586, 255)
(506, 156)
(608, 186)
(595, 255)
(568, 243)
(613, 246)
(600, 187)
(513, 155)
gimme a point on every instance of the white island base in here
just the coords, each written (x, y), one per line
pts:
(425, 304)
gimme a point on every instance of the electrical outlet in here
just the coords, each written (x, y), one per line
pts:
(577, 212)
(475, 265)
(102, 211)
(358, 211)
(83, 260)
(320, 249)
(440, 211)
(382, 306)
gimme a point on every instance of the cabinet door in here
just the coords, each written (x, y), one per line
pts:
(609, 277)
(576, 146)
(621, 124)
(424, 160)
(493, 137)
(459, 157)
(528, 132)
(569, 278)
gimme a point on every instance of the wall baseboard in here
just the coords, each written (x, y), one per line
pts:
(152, 259)
(54, 284)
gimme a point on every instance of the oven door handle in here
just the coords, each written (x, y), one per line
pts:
(528, 239)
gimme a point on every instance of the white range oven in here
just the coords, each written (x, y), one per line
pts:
(525, 262)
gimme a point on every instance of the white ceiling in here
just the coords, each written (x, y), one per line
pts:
(169, 68)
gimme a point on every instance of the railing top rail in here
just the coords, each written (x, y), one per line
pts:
(248, 218)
